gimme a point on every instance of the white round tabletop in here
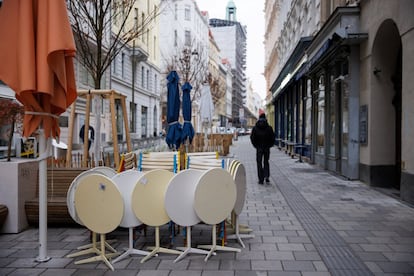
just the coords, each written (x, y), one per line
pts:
(179, 197)
(215, 196)
(148, 197)
(126, 181)
(99, 203)
(107, 171)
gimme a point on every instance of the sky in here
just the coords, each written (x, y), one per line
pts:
(249, 13)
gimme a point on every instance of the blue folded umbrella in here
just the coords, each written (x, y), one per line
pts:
(188, 130)
(174, 132)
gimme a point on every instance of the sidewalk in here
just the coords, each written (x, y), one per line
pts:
(306, 222)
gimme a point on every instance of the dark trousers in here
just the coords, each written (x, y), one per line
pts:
(262, 160)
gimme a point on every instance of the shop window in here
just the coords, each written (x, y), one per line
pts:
(345, 116)
(320, 114)
(332, 116)
(308, 104)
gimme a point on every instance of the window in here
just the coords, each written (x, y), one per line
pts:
(332, 116)
(142, 76)
(308, 104)
(155, 83)
(154, 48)
(187, 38)
(86, 77)
(187, 13)
(320, 115)
(119, 119)
(133, 111)
(142, 26)
(147, 80)
(144, 123)
(123, 65)
(114, 66)
(155, 116)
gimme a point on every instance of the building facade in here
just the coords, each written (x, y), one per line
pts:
(136, 72)
(230, 36)
(341, 97)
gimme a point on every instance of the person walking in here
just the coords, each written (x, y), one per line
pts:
(262, 138)
(91, 135)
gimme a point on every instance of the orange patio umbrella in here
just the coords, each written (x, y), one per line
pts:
(36, 61)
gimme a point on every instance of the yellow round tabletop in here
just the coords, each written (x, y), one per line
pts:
(99, 203)
(148, 197)
(179, 197)
(70, 195)
(215, 196)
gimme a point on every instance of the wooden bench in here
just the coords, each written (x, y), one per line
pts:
(58, 183)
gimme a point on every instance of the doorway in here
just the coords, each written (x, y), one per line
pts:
(386, 106)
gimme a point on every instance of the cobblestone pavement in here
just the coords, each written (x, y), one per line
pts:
(306, 221)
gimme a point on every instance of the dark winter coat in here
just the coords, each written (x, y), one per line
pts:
(262, 135)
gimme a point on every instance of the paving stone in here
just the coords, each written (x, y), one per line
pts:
(235, 265)
(306, 256)
(400, 267)
(291, 247)
(298, 266)
(153, 273)
(399, 257)
(185, 273)
(26, 272)
(266, 265)
(55, 263)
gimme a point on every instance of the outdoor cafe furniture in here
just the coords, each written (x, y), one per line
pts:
(179, 201)
(126, 181)
(100, 207)
(70, 201)
(214, 199)
(237, 170)
(149, 207)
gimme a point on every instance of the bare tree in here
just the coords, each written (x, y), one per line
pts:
(11, 114)
(217, 88)
(102, 28)
(191, 65)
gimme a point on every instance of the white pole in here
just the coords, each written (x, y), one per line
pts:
(43, 198)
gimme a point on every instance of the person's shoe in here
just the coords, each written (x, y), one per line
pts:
(267, 180)
(260, 182)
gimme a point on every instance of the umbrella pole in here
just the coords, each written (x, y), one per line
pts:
(42, 199)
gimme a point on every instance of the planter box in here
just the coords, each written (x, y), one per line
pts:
(17, 184)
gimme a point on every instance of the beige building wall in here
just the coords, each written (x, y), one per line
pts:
(390, 25)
